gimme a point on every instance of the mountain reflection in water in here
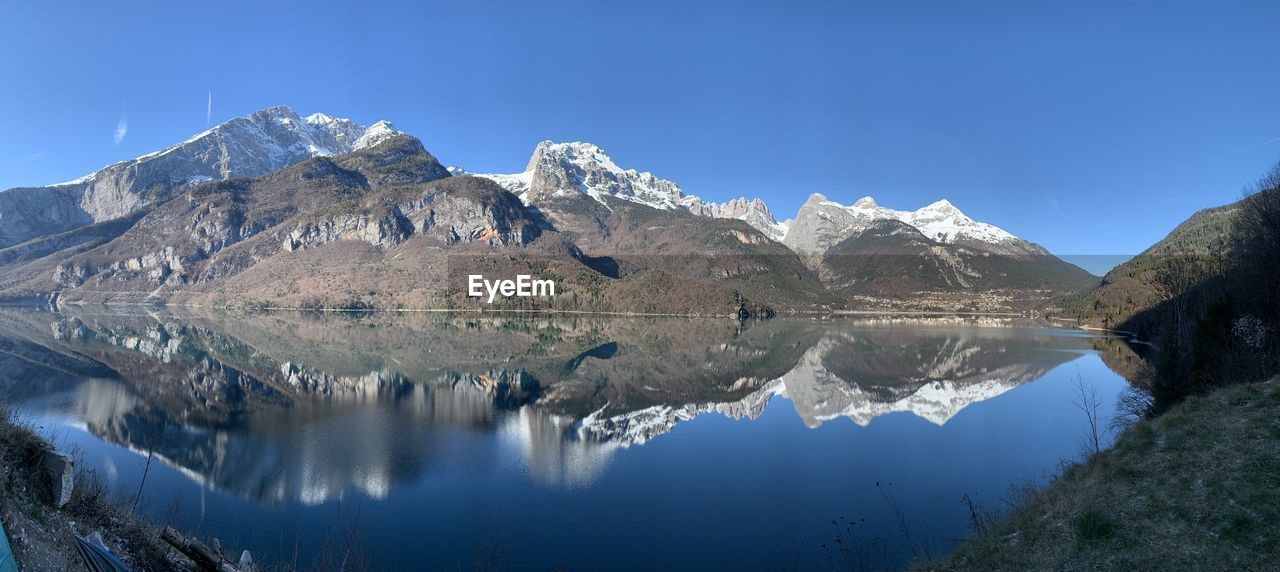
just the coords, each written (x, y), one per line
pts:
(285, 408)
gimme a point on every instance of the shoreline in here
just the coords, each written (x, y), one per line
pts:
(551, 311)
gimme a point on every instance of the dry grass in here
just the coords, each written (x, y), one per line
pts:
(1196, 488)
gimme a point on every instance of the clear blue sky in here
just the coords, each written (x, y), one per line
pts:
(1089, 127)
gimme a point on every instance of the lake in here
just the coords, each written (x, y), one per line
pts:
(468, 441)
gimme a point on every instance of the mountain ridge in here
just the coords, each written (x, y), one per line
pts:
(562, 170)
(1196, 248)
(559, 170)
(274, 188)
(821, 223)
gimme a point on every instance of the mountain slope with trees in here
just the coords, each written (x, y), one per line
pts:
(1196, 248)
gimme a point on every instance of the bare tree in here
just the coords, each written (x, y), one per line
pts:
(1256, 240)
(1087, 401)
(151, 453)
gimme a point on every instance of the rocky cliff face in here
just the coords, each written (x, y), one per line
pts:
(243, 147)
(451, 219)
(583, 167)
(754, 212)
(566, 170)
(27, 213)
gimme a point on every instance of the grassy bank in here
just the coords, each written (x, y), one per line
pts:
(1195, 488)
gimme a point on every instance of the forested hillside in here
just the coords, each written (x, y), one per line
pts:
(1208, 296)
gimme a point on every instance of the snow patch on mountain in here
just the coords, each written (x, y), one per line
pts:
(944, 223)
(518, 183)
(76, 181)
(940, 221)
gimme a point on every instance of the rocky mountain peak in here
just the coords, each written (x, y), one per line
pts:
(319, 118)
(255, 144)
(943, 206)
(246, 146)
(575, 169)
(573, 152)
(378, 132)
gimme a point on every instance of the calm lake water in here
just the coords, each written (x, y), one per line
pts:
(462, 442)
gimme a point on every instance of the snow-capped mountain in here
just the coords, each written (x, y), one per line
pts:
(246, 146)
(254, 144)
(569, 170)
(867, 249)
(821, 223)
